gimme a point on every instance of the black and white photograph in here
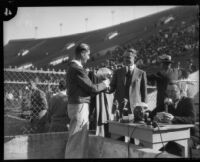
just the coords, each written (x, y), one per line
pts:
(101, 82)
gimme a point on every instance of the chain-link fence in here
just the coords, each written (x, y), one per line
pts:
(15, 84)
(21, 101)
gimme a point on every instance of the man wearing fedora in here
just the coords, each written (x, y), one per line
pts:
(162, 78)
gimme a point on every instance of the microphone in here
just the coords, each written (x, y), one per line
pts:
(125, 102)
(167, 102)
(125, 111)
(126, 69)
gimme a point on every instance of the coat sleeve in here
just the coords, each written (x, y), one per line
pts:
(153, 78)
(43, 101)
(189, 117)
(143, 88)
(50, 109)
(113, 83)
(84, 82)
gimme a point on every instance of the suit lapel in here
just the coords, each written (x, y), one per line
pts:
(123, 75)
(135, 75)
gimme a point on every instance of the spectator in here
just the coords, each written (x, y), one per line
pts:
(162, 79)
(49, 93)
(192, 67)
(9, 98)
(183, 84)
(25, 103)
(38, 107)
(57, 112)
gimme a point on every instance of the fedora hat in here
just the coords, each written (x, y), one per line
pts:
(165, 58)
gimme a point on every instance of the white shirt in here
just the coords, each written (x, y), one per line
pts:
(63, 92)
(10, 96)
(176, 103)
(77, 62)
(132, 67)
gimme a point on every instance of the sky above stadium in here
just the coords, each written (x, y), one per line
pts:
(44, 22)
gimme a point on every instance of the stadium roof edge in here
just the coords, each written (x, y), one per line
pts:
(95, 30)
(21, 40)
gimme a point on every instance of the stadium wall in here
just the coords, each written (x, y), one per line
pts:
(52, 146)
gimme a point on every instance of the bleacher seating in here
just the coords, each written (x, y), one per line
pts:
(129, 32)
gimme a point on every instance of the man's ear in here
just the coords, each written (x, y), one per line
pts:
(82, 54)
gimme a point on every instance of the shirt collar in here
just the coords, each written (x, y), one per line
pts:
(132, 67)
(176, 102)
(77, 62)
(63, 92)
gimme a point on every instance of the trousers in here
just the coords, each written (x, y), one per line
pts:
(78, 141)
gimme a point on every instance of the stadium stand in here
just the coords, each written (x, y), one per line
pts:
(43, 51)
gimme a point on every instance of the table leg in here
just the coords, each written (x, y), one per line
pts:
(185, 149)
(157, 146)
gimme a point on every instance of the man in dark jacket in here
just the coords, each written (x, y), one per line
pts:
(162, 79)
(79, 91)
(38, 107)
(57, 112)
(180, 111)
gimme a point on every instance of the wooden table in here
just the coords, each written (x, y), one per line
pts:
(150, 137)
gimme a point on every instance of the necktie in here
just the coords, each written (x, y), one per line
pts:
(128, 79)
(128, 75)
(127, 85)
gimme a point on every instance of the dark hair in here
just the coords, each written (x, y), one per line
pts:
(62, 84)
(166, 63)
(185, 74)
(31, 82)
(132, 51)
(174, 83)
(81, 47)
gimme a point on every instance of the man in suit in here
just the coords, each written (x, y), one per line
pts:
(162, 79)
(129, 82)
(180, 111)
(38, 107)
(79, 91)
(57, 112)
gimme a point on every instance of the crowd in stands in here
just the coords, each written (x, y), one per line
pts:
(173, 40)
